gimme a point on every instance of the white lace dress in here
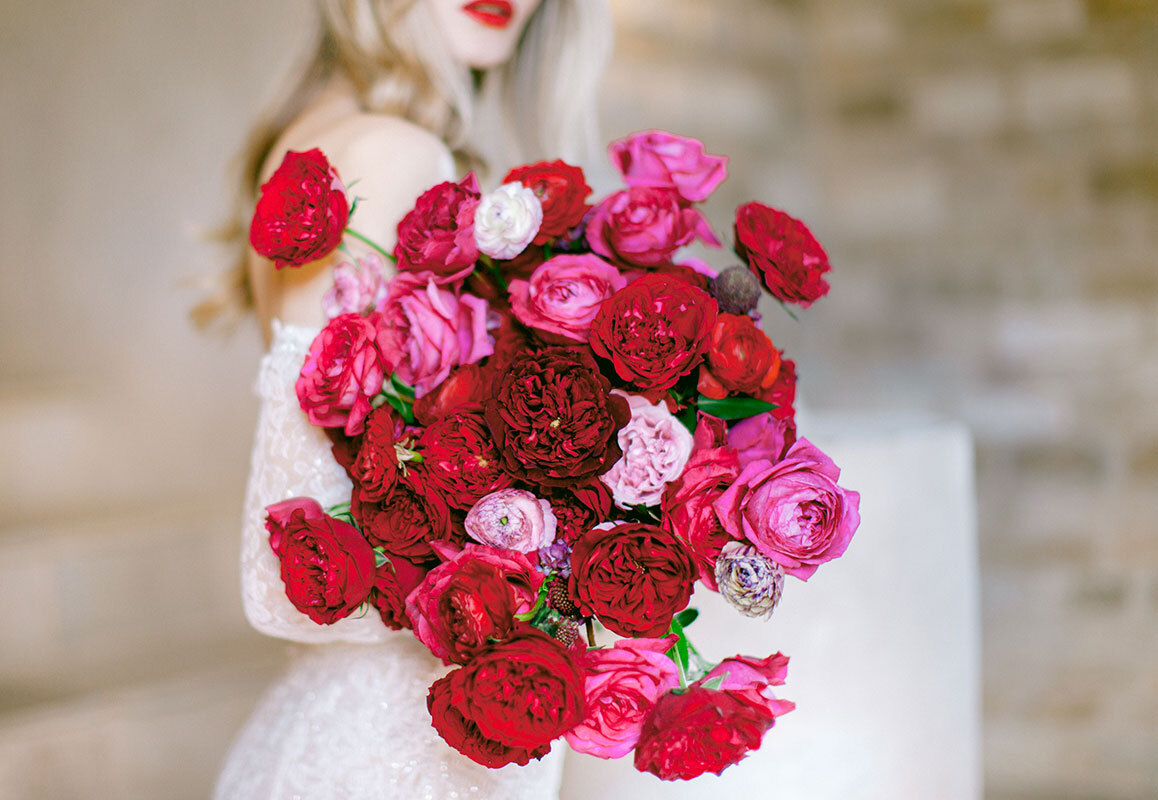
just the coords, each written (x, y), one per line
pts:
(348, 719)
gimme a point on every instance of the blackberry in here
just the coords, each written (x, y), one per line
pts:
(559, 598)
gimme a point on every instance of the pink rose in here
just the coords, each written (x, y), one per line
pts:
(437, 235)
(792, 510)
(359, 286)
(564, 294)
(655, 446)
(623, 684)
(645, 226)
(344, 370)
(658, 158)
(688, 510)
(751, 680)
(513, 519)
(433, 330)
(762, 437)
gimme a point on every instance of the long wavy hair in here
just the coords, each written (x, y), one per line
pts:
(540, 104)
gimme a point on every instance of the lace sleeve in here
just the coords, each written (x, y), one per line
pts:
(291, 458)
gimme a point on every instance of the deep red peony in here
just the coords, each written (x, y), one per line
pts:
(464, 735)
(327, 566)
(554, 417)
(783, 252)
(460, 458)
(740, 359)
(438, 233)
(562, 190)
(302, 211)
(654, 331)
(408, 520)
(633, 576)
(375, 468)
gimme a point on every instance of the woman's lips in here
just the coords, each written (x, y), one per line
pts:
(492, 13)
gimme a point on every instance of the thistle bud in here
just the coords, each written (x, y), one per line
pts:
(749, 580)
(736, 290)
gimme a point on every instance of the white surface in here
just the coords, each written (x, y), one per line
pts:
(884, 642)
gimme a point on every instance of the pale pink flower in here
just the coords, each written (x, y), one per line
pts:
(513, 519)
(655, 446)
(564, 294)
(359, 286)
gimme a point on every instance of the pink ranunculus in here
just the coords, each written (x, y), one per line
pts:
(658, 158)
(792, 510)
(564, 294)
(688, 510)
(623, 684)
(644, 227)
(513, 519)
(359, 286)
(762, 437)
(343, 371)
(433, 330)
(751, 680)
(655, 446)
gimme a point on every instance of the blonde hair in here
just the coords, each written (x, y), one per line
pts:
(392, 53)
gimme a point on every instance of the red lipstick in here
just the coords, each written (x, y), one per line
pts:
(492, 13)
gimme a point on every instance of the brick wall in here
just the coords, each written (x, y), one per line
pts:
(985, 178)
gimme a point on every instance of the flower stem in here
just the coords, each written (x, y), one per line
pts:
(375, 245)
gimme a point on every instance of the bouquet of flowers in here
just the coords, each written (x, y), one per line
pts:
(554, 425)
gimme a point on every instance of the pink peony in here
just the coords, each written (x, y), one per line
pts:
(751, 680)
(762, 437)
(655, 449)
(433, 330)
(359, 286)
(645, 226)
(513, 519)
(792, 510)
(564, 294)
(623, 684)
(344, 370)
(658, 158)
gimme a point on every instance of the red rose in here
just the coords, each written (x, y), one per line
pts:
(462, 607)
(654, 331)
(327, 566)
(562, 190)
(554, 418)
(465, 384)
(741, 359)
(406, 521)
(522, 693)
(375, 469)
(783, 252)
(644, 226)
(578, 509)
(395, 579)
(460, 458)
(464, 735)
(438, 233)
(302, 211)
(697, 731)
(343, 371)
(687, 506)
(783, 391)
(344, 448)
(633, 576)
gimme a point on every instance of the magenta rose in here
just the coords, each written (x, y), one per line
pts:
(433, 330)
(664, 160)
(437, 235)
(344, 370)
(655, 446)
(762, 437)
(750, 680)
(326, 564)
(792, 510)
(644, 227)
(513, 519)
(564, 294)
(623, 684)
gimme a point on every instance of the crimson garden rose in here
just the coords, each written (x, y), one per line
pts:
(688, 511)
(654, 331)
(460, 458)
(783, 252)
(405, 522)
(302, 211)
(326, 564)
(464, 735)
(465, 385)
(578, 509)
(375, 468)
(633, 576)
(462, 607)
(783, 392)
(740, 359)
(554, 417)
(438, 233)
(395, 579)
(562, 190)
(343, 371)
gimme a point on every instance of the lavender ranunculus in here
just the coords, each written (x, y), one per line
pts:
(656, 447)
(513, 519)
(748, 580)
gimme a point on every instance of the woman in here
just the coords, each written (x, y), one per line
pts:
(402, 94)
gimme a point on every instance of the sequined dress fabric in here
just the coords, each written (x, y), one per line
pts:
(348, 719)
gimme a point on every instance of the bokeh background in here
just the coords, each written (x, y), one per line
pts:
(983, 173)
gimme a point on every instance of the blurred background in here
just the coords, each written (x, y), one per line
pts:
(983, 173)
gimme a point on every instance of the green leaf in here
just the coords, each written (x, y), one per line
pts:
(688, 419)
(681, 650)
(402, 407)
(716, 682)
(380, 557)
(687, 616)
(733, 407)
(402, 387)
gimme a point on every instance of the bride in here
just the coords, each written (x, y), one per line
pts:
(400, 95)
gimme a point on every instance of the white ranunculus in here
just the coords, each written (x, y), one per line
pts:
(507, 220)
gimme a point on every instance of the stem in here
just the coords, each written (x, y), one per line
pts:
(375, 245)
(494, 271)
(590, 633)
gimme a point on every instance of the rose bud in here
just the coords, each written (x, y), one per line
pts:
(736, 289)
(513, 519)
(748, 580)
(507, 220)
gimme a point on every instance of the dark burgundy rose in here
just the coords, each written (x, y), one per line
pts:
(554, 418)
(464, 735)
(466, 384)
(783, 252)
(326, 564)
(375, 468)
(302, 211)
(344, 448)
(633, 576)
(740, 359)
(438, 233)
(654, 331)
(579, 509)
(395, 579)
(460, 458)
(696, 731)
(562, 191)
(408, 520)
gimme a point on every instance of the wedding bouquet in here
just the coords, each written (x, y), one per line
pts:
(553, 423)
